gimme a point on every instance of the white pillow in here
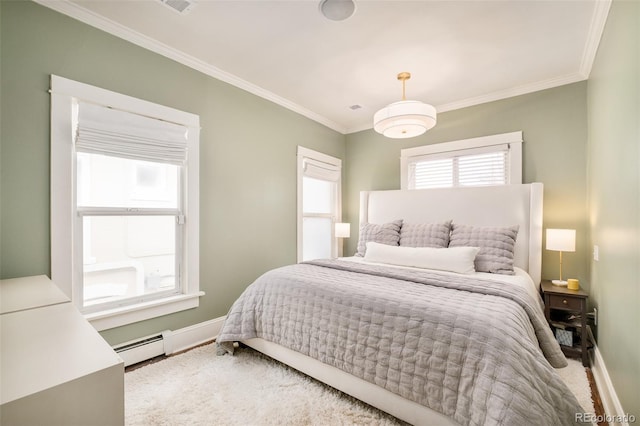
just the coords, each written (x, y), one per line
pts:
(453, 259)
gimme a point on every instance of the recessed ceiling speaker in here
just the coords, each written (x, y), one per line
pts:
(337, 10)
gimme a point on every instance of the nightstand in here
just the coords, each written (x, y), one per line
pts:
(567, 310)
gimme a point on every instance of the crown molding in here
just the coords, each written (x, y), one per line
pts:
(513, 91)
(88, 17)
(598, 21)
(360, 128)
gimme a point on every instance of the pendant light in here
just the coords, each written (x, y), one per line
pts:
(404, 119)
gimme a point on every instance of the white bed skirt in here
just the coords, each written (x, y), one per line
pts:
(374, 395)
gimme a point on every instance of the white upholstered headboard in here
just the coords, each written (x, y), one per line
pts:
(482, 206)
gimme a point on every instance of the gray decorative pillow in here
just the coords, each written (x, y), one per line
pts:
(496, 246)
(425, 234)
(387, 233)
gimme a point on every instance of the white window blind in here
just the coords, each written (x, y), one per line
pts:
(107, 131)
(473, 167)
(319, 207)
(481, 161)
(431, 174)
(320, 170)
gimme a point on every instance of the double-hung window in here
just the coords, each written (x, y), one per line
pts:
(484, 161)
(124, 204)
(319, 207)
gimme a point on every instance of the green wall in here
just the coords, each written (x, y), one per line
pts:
(554, 126)
(614, 198)
(248, 154)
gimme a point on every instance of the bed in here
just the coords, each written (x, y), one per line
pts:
(406, 327)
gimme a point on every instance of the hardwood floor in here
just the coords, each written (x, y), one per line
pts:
(595, 397)
(161, 357)
(145, 363)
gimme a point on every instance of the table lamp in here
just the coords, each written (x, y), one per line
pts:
(342, 230)
(561, 240)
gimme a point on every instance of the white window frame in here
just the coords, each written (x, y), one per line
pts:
(65, 241)
(455, 148)
(304, 153)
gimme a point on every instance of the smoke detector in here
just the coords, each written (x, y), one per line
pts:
(181, 6)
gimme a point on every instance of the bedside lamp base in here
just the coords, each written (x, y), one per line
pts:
(559, 283)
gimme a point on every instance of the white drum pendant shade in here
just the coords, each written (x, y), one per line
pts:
(404, 119)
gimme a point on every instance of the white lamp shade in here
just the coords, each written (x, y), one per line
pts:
(343, 230)
(404, 119)
(561, 239)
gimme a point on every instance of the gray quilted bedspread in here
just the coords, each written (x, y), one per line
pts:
(475, 350)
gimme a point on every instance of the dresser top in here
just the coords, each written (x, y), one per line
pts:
(19, 294)
(45, 347)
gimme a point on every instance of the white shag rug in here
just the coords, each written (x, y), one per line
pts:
(200, 388)
(575, 376)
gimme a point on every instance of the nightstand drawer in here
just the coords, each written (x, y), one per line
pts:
(564, 302)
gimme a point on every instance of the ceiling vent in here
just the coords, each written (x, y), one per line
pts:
(180, 6)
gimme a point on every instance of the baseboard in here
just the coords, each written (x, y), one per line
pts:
(610, 402)
(188, 337)
(169, 341)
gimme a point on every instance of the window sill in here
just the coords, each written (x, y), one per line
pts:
(112, 318)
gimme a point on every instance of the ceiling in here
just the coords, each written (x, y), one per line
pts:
(460, 53)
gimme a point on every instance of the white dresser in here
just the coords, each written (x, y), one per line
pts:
(55, 369)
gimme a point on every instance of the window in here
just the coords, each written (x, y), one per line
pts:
(319, 207)
(124, 204)
(490, 160)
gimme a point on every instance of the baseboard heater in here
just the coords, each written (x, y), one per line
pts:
(145, 348)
